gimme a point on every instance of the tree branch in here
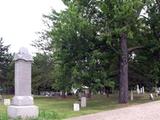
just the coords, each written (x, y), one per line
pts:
(158, 3)
(134, 48)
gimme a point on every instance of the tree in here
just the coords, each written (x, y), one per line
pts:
(70, 41)
(43, 73)
(6, 67)
(116, 22)
(153, 35)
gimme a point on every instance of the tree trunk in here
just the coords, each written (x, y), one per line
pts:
(38, 91)
(123, 77)
(106, 89)
(107, 93)
(89, 93)
(63, 94)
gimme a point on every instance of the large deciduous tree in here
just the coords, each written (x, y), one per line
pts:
(116, 23)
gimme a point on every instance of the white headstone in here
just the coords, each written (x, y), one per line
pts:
(76, 107)
(157, 92)
(60, 93)
(22, 103)
(83, 101)
(7, 102)
(151, 96)
(138, 90)
(143, 90)
(131, 95)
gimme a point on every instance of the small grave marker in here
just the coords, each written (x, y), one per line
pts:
(7, 102)
(83, 102)
(143, 91)
(131, 95)
(151, 96)
(76, 107)
(138, 90)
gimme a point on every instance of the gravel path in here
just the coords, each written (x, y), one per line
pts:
(147, 111)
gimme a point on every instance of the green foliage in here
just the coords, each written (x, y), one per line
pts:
(42, 73)
(6, 68)
(84, 43)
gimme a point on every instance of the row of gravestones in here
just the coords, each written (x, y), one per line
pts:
(51, 93)
(140, 90)
(83, 100)
(82, 104)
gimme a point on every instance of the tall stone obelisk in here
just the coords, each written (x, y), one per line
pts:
(22, 103)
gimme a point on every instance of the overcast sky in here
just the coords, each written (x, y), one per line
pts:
(21, 19)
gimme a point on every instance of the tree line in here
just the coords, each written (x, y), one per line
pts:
(6, 69)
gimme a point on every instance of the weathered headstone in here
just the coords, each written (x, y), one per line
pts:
(66, 93)
(131, 95)
(60, 93)
(104, 93)
(157, 92)
(143, 90)
(83, 102)
(151, 96)
(22, 103)
(79, 94)
(138, 90)
(76, 107)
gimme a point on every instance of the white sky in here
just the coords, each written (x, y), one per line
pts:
(21, 19)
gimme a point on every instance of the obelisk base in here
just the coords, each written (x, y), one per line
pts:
(22, 101)
(22, 112)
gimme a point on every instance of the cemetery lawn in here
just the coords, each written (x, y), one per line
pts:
(63, 107)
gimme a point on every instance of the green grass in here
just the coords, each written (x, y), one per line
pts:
(59, 108)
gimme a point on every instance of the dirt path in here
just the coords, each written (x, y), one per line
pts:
(147, 111)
